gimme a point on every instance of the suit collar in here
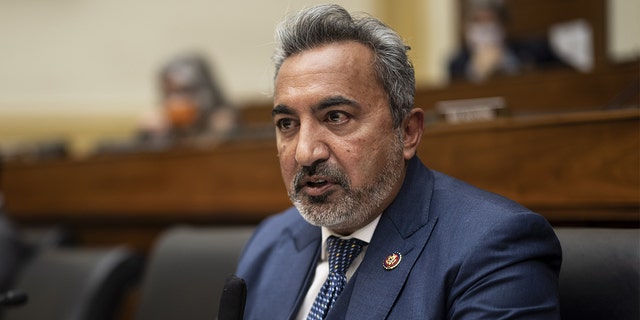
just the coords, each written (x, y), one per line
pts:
(409, 211)
(404, 227)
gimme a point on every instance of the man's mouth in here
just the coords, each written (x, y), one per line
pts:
(315, 186)
(319, 182)
(316, 183)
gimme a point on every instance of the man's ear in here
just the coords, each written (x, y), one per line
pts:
(412, 128)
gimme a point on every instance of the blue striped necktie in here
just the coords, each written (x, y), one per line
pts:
(341, 253)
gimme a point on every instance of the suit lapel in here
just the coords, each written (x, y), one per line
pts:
(376, 288)
(308, 240)
(405, 227)
(299, 251)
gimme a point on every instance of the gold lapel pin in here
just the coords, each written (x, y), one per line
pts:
(392, 261)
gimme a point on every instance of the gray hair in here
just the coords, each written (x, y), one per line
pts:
(324, 24)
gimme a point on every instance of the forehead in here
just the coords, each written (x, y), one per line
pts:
(333, 53)
(342, 67)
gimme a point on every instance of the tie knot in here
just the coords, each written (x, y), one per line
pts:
(341, 253)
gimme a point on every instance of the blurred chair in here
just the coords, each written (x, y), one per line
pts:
(42, 237)
(187, 271)
(20, 245)
(75, 283)
(600, 276)
(36, 239)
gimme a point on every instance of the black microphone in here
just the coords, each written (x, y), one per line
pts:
(13, 299)
(233, 299)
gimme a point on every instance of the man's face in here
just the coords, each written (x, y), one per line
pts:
(341, 159)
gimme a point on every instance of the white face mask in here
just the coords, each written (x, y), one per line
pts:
(483, 34)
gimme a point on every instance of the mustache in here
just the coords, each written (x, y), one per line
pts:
(336, 175)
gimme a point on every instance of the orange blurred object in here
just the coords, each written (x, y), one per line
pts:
(182, 112)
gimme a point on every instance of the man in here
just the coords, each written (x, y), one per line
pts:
(430, 247)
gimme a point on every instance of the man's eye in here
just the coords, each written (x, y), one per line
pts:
(285, 124)
(337, 117)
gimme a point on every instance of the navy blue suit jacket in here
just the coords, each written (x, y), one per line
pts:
(466, 254)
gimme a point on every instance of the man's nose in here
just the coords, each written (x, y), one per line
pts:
(311, 147)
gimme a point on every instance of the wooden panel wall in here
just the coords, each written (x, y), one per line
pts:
(574, 168)
(548, 92)
(578, 167)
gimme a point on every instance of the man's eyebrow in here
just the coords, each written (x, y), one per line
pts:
(336, 101)
(323, 104)
(281, 109)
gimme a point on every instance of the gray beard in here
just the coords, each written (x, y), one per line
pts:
(357, 206)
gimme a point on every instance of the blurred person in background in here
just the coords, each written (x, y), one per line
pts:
(193, 105)
(487, 51)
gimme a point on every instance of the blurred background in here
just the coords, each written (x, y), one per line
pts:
(121, 121)
(82, 71)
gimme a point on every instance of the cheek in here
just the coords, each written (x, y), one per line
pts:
(282, 154)
(287, 162)
(354, 158)
(363, 160)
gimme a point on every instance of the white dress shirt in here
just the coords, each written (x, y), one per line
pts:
(322, 269)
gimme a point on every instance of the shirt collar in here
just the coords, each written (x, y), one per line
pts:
(364, 234)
